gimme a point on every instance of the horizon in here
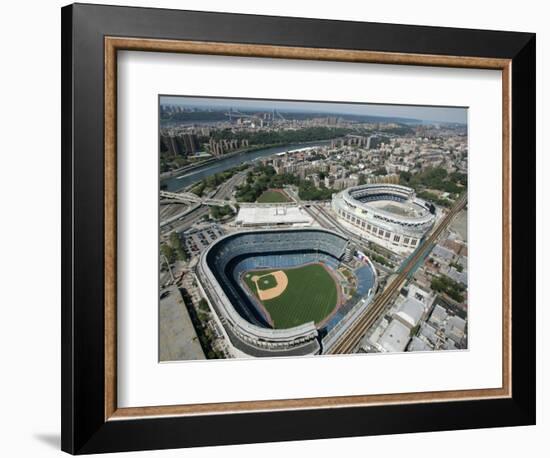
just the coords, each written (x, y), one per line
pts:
(425, 113)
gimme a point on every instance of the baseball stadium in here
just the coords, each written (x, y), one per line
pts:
(388, 214)
(284, 292)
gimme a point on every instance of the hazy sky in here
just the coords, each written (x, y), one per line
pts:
(425, 113)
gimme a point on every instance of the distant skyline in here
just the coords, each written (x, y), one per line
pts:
(424, 113)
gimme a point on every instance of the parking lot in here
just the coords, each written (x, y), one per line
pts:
(197, 239)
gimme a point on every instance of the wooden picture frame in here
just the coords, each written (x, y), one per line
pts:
(91, 37)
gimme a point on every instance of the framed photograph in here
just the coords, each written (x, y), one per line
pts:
(284, 228)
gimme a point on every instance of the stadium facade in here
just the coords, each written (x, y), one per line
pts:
(388, 214)
(222, 265)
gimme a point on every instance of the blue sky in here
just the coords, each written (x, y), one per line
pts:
(422, 112)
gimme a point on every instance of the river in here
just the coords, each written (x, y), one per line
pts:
(190, 177)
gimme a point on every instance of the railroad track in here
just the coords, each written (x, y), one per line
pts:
(351, 337)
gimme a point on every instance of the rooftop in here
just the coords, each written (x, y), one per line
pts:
(418, 345)
(411, 311)
(442, 253)
(396, 337)
(276, 215)
(439, 315)
(178, 339)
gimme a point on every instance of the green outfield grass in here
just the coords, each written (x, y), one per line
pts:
(272, 196)
(311, 295)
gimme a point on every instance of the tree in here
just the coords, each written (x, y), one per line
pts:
(168, 252)
(198, 189)
(203, 305)
(175, 240)
(282, 136)
(405, 177)
(308, 191)
(457, 266)
(177, 247)
(182, 254)
(221, 212)
(446, 285)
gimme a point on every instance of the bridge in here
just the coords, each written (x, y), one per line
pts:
(237, 114)
(189, 197)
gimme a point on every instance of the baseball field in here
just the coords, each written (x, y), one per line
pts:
(273, 196)
(294, 296)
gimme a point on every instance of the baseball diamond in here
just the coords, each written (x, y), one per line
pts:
(304, 294)
(277, 292)
(268, 285)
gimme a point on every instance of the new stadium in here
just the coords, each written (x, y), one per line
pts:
(284, 292)
(388, 214)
